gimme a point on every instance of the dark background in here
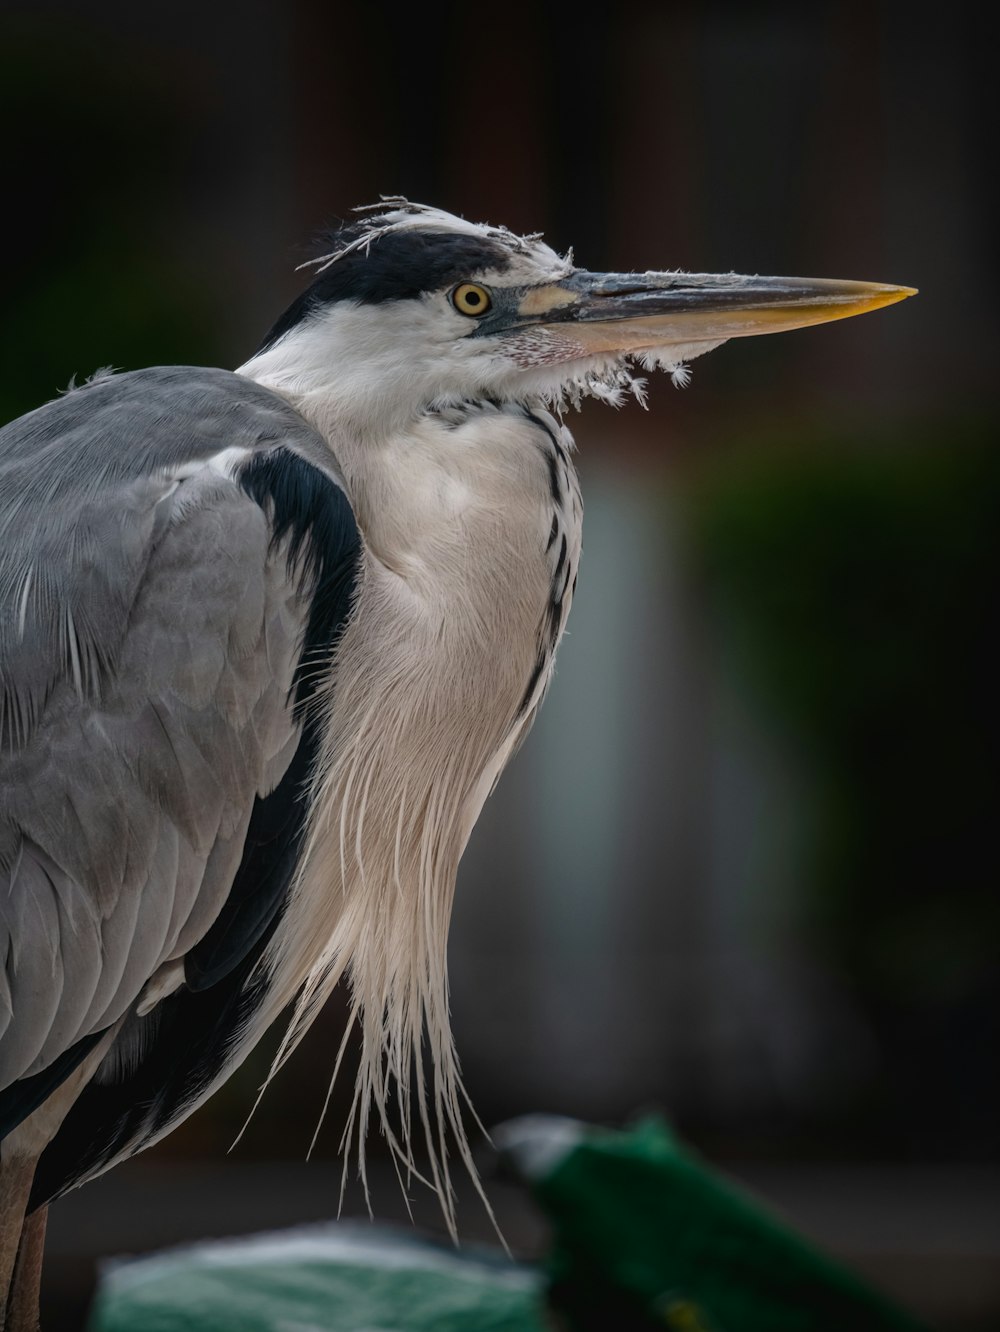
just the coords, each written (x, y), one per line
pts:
(744, 870)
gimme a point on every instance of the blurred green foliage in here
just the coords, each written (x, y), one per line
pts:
(98, 273)
(852, 584)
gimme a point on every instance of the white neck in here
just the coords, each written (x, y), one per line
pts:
(354, 372)
(429, 700)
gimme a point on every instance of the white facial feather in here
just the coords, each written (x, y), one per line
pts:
(368, 368)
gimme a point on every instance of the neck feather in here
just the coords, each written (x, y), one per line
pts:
(424, 704)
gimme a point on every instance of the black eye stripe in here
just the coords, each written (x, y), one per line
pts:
(403, 266)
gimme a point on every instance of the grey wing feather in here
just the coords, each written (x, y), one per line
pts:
(149, 631)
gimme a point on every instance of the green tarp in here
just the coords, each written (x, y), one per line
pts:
(644, 1236)
(340, 1277)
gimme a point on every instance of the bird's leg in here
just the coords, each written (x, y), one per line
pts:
(22, 1302)
(17, 1170)
(19, 1155)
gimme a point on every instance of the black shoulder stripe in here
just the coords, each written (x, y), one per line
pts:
(313, 514)
(324, 543)
(197, 1026)
(257, 896)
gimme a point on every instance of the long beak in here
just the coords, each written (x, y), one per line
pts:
(618, 312)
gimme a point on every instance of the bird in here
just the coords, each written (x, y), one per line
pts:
(268, 638)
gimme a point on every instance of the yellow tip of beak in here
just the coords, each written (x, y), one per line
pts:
(827, 300)
(871, 296)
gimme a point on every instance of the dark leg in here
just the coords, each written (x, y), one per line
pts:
(16, 1174)
(19, 1153)
(22, 1304)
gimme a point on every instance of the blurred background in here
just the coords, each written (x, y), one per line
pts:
(744, 870)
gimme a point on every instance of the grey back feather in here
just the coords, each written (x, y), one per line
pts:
(82, 485)
(149, 630)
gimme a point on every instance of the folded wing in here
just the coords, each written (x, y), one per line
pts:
(177, 559)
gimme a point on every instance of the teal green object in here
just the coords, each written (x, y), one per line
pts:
(646, 1236)
(334, 1278)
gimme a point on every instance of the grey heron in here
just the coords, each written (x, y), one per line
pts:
(267, 640)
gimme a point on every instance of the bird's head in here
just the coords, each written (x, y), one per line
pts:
(411, 308)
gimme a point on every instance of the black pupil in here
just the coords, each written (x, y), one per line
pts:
(472, 298)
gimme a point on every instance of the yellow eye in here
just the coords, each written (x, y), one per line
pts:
(471, 299)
